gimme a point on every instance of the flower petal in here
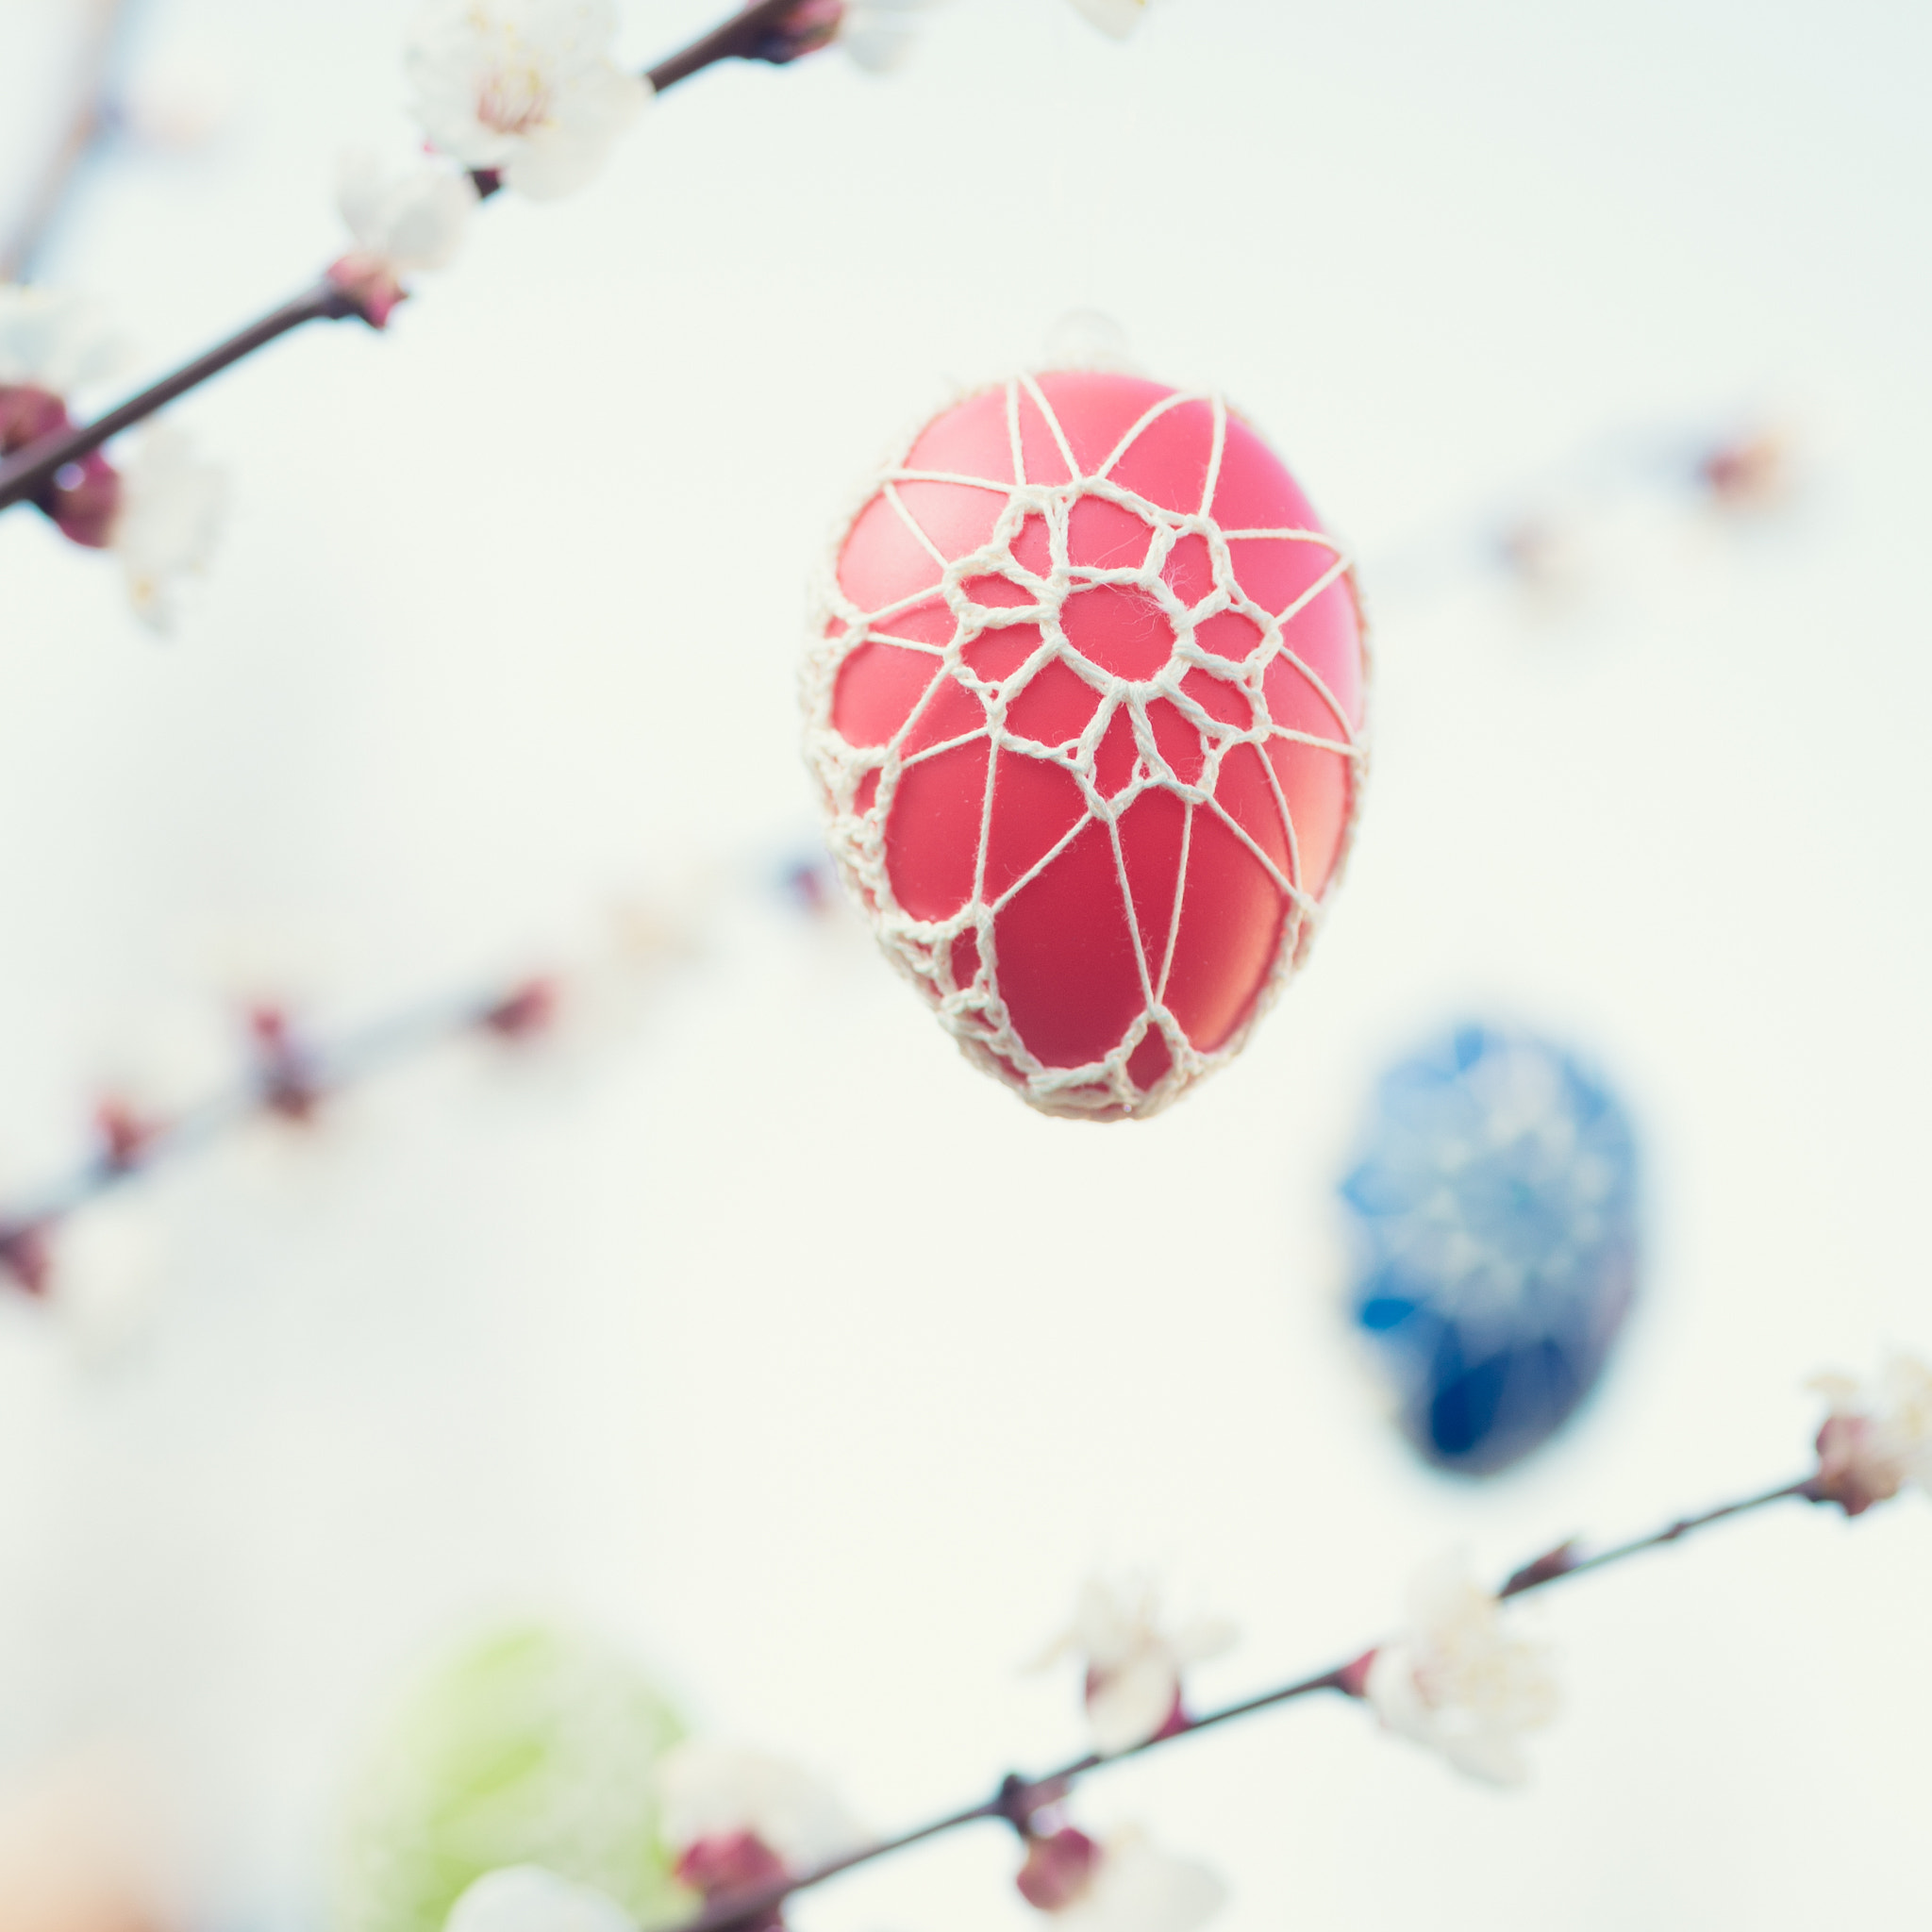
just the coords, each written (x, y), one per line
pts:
(55, 339)
(714, 1790)
(526, 1898)
(409, 218)
(1139, 1888)
(1203, 1638)
(171, 511)
(1491, 1757)
(559, 157)
(1129, 1703)
(881, 34)
(1118, 18)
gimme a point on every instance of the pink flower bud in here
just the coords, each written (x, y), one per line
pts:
(371, 284)
(1877, 1436)
(1354, 1676)
(1059, 1870)
(124, 1135)
(1849, 1473)
(1751, 472)
(524, 1010)
(287, 1082)
(731, 1865)
(26, 1256)
(802, 29)
(27, 414)
(85, 500)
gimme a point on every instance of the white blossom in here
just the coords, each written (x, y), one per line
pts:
(879, 34)
(1878, 1436)
(710, 1791)
(526, 1898)
(53, 340)
(1456, 1683)
(525, 87)
(406, 217)
(1118, 18)
(169, 513)
(1135, 1887)
(1133, 1665)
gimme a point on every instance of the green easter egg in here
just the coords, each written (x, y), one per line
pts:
(531, 1746)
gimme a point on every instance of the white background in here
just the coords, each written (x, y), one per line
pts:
(778, 1342)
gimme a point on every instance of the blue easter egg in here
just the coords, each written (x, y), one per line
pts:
(1494, 1201)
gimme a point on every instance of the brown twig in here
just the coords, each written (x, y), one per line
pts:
(291, 1078)
(1019, 1800)
(741, 37)
(24, 476)
(84, 125)
(1563, 1561)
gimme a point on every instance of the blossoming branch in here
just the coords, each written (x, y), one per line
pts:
(518, 95)
(746, 1831)
(292, 1076)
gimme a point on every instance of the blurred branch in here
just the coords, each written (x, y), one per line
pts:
(291, 1078)
(87, 119)
(1019, 1800)
(293, 1075)
(750, 35)
(1556, 530)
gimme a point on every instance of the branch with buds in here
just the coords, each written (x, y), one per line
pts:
(293, 1076)
(747, 1832)
(518, 95)
(524, 96)
(1569, 530)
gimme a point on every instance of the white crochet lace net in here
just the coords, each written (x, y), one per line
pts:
(860, 782)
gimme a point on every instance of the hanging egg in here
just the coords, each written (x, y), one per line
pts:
(1085, 704)
(526, 1745)
(1494, 1206)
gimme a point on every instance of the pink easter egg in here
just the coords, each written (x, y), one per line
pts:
(1085, 703)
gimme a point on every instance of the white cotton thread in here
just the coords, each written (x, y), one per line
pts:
(922, 949)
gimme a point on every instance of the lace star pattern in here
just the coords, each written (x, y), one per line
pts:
(1085, 701)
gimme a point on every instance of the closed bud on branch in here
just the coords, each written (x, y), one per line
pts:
(26, 1258)
(284, 1074)
(84, 501)
(1119, 1884)
(802, 29)
(1058, 1869)
(27, 414)
(1878, 1436)
(1751, 472)
(739, 1821)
